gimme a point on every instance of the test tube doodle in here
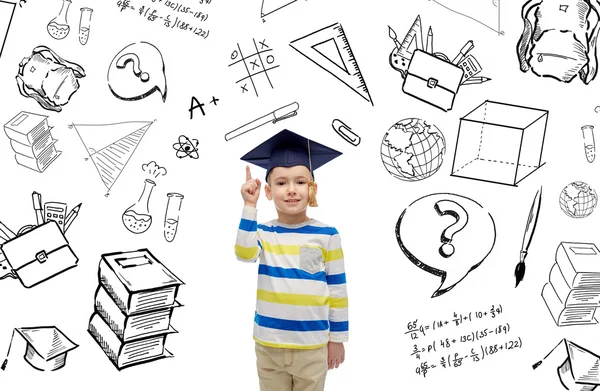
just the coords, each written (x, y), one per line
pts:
(589, 143)
(84, 24)
(172, 215)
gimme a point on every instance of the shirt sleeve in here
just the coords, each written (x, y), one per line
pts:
(248, 245)
(338, 297)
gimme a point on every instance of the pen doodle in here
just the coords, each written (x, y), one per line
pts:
(110, 146)
(589, 143)
(197, 105)
(560, 43)
(443, 246)
(48, 78)
(572, 293)
(530, 226)
(46, 347)
(85, 19)
(275, 116)
(500, 143)
(142, 78)
(412, 150)
(137, 218)
(269, 6)
(32, 141)
(259, 62)
(578, 200)
(186, 147)
(154, 169)
(172, 211)
(6, 16)
(345, 132)
(58, 27)
(329, 48)
(134, 302)
(480, 12)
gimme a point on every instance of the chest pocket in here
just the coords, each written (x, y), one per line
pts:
(311, 259)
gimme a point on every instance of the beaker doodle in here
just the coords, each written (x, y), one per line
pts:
(58, 28)
(137, 218)
(172, 215)
(84, 24)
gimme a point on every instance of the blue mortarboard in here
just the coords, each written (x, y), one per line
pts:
(288, 149)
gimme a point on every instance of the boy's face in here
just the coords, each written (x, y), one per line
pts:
(288, 188)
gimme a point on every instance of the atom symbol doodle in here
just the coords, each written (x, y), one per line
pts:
(186, 147)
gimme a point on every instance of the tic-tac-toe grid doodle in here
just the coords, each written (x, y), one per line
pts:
(253, 69)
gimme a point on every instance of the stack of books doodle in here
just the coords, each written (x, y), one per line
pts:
(31, 140)
(573, 292)
(134, 303)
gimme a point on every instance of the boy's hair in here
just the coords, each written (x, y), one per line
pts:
(310, 178)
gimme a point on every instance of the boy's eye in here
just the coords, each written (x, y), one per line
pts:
(280, 183)
(301, 182)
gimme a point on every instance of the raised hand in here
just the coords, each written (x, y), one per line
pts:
(251, 189)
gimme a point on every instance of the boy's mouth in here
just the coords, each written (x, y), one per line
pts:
(292, 200)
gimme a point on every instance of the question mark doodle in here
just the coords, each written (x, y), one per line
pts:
(454, 209)
(135, 60)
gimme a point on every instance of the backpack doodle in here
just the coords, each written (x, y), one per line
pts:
(559, 39)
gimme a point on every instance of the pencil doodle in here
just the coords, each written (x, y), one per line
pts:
(7, 11)
(174, 201)
(259, 62)
(186, 147)
(443, 246)
(431, 76)
(137, 218)
(572, 292)
(412, 150)
(85, 20)
(154, 169)
(58, 27)
(145, 76)
(46, 349)
(110, 146)
(133, 307)
(48, 78)
(273, 6)
(578, 200)
(345, 132)
(500, 143)
(32, 141)
(530, 226)
(577, 367)
(329, 48)
(560, 42)
(275, 116)
(589, 143)
(480, 12)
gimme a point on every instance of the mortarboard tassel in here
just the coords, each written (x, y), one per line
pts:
(312, 192)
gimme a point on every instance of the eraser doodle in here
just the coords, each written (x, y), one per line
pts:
(437, 231)
(137, 71)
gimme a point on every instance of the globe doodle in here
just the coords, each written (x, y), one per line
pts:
(578, 200)
(412, 150)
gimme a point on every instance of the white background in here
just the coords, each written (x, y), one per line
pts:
(214, 349)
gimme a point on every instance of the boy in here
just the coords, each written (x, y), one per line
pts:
(301, 318)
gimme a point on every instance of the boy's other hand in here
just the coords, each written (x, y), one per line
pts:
(335, 355)
(250, 189)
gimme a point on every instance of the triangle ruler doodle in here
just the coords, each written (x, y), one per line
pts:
(7, 11)
(329, 49)
(110, 146)
(270, 6)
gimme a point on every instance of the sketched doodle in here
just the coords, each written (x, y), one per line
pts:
(31, 140)
(48, 78)
(269, 6)
(186, 147)
(259, 62)
(578, 200)
(435, 233)
(589, 143)
(485, 13)
(329, 48)
(154, 169)
(345, 132)
(275, 116)
(84, 25)
(487, 151)
(133, 307)
(532, 219)
(137, 72)
(172, 215)
(137, 218)
(7, 11)
(572, 293)
(58, 27)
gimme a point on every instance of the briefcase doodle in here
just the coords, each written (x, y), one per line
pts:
(37, 255)
(432, 80)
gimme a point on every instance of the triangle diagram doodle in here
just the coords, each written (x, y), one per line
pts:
(270, 6)
(330, 50)
(110, 146)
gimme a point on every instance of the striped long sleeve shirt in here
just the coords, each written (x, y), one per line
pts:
(301, 299)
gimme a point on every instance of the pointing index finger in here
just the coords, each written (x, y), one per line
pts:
(248, 174)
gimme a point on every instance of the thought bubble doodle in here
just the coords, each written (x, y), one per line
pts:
(137, 71)
(447, 235)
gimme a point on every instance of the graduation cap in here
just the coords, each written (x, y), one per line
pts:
(47, 347)
(289, 149)
(580, 371)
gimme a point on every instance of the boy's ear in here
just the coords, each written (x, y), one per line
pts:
(268, 192)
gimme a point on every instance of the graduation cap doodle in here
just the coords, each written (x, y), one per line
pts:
(47, 347)
(580, 371)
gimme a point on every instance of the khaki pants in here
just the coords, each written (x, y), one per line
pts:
(291, 369)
